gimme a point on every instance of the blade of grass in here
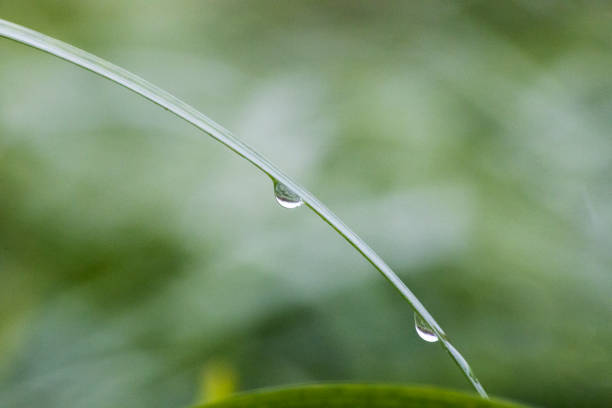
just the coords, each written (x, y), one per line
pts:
(183, 110)
(357, 396)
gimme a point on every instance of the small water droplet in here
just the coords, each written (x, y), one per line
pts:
(424, 330)
(285, 196)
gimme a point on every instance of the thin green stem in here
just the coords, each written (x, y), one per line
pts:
(181, 109)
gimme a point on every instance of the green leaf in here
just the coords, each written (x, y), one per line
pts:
(356, 396)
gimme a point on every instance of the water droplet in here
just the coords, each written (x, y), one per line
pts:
(424, 330)
(285, 196)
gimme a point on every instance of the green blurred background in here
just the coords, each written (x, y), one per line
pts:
(144, 265)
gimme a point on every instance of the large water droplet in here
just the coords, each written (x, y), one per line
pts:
(424, 330)
(286, 197)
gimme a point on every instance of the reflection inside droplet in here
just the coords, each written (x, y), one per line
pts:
(424, 330)
(285, 196)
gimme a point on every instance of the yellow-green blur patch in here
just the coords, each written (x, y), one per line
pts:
(219, 381)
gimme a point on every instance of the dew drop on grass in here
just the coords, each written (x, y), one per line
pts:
(424, 330)
(285, 196)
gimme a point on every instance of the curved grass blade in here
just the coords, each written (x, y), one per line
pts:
(183, 110)
(358, 396)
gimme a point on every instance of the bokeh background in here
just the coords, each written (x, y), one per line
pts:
(144, 265)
